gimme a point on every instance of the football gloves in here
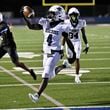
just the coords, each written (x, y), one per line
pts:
(86, 48)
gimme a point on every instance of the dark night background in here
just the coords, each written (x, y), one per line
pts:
(101, 8)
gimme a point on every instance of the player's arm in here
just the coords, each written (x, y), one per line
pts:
(84, 35)
(62, 43)
(32, 26)
(85, 40)
(67, 40)
(28, 23)
(3, 28)
(70, 45)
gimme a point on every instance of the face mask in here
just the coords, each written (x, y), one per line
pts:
(51, 16)
(73, 17)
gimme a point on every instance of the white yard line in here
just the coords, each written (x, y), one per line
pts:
(40, 69)
(57, 103)
(65, 108)
(36, 49)
(95, 59)
(98, 52)
(82, 59)
(82, 83)
(99, 68)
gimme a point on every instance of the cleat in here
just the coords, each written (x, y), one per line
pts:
(66, 63)
(34, 97)
(77, 79)
(33, 74)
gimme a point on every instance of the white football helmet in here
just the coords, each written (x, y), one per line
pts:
(73, 10)
(1, 17)
(57, 13)
(73, 14)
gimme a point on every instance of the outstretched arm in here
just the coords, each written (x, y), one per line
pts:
(29, 24)
(85, 40)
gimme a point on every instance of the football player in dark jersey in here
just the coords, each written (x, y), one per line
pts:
(8, 45)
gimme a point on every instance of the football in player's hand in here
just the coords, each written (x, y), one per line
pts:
(28, 12)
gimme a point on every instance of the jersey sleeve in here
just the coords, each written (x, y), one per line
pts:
(42, 21)
(83, 23)
(65, 28)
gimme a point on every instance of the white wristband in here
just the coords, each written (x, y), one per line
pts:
(87, 45)
(62, 47)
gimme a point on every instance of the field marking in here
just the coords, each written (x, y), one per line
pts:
(82, 59)
(72, 83)
(62, 72)
(57, 103)
(39, 70)
(98, 52)
(36, 49)
(29, 55)
(96, 59)
(65, 108)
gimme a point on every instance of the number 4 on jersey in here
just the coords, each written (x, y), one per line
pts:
(49, 39)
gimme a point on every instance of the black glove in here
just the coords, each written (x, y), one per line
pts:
(86, 48)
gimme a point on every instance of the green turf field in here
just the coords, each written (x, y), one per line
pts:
(62, 91)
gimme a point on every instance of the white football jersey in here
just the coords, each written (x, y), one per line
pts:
(74, 31)
(52, 35)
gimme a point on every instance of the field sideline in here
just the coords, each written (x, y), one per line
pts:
(62, 92)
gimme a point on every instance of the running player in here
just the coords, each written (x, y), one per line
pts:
(8, 45)
(75, 26)
(53, 28)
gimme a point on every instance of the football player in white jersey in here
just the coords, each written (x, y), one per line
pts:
(75, 26)
(53, 29)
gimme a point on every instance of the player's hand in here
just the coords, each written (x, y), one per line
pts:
(86, 48)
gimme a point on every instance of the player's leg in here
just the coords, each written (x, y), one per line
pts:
(2, 52)
(77, 64)
(35, 97)
(15, 59)
(67, 62)
(59, 68)
(77, 46)
(49, 72)
(71, 57)
(77, 68)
